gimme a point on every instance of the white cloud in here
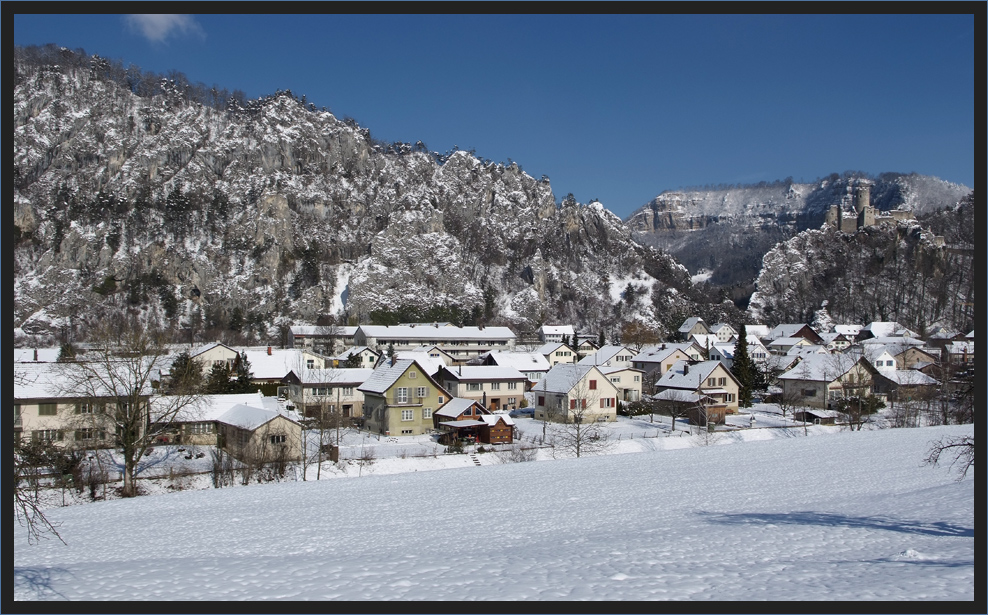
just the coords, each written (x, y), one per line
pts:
(157, 28)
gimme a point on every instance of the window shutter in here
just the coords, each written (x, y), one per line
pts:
(572, 404)
(601, 403)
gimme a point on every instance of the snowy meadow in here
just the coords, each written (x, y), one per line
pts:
(835, 516)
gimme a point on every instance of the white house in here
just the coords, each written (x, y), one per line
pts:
(581, 389)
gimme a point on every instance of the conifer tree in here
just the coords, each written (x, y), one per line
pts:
(242, 376)
(743, 369)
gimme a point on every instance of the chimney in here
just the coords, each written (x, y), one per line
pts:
(269, 351)
(35, 355)
(686, 369)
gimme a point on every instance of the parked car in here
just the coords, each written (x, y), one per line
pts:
(522, 413)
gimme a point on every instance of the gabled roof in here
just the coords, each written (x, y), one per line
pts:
(492, 419)
(908, 377)
(198, 351)
(660, 352)
(457, 405)
(689, 323)
(521, 361)
(888, 329)
(336, 377)
(484, 373)
(725, 350)
(788, 341)
(384, 377)
(427, 333)
(557, 330)
(427, 362)
(788, 330)
(604, 355)
(848, 330)
(349, 352)
(550, 347)
(563, 377)
(249, 417)
(683, 375)
(721, 325)
(894, 340)
(756, 331)
(276, 365)
(64, 380)
(825, 367)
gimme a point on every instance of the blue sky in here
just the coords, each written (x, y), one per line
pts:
(611, 107)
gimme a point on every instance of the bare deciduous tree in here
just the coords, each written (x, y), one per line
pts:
(121, 378)
(959, 449)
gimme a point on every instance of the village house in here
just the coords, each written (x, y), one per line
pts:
(367, 358)
(610, 356)
(724, 332)
(821, 380)
(627, 380)
(571, 391)
(461, 343)
(783, 345)
(317, 392)
(562, 334)
(262, 434)
(214, 353)
(496, 388)
(792, 331)
(400, 398)
(532, 364)
(708, 378)
(657, 360)
(692, 326)
(836, 342)
(50, 406)
(557, 353)
(323, 339)
(586, 347)
(466, 419)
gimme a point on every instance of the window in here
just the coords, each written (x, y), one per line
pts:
(412, 375)
(347, 390)
(278, 439)
(322, 391)
(199, 429)
(730, 397)
(616, 379)
(85, 408)
(88, 433)
(426, 413)
(495, 386)
(572, 404)
(711, 382)
(440, 399)
(421, 392)
(809, 392)
(406, 432)
(721, 382)
(512, 401)
(401, 395)
(593, 385)
(473, 386)
(541, 400)
(638, 378)
(607, 402)
(46, 410)
(468, 412)
(512, 386)
(46, 435)
(408, 415)
(310, 363)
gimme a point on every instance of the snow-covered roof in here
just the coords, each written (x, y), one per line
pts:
(705, 340)
(521, 361)
(848, 330)
(788, 341)
(756, 330)
(786, 330)
(248, 417)
(888, 329)
(557, 329)
(680, 395)
(276, 365)
(386, 375)
(349, 352)
(492, 419)
(960, 347)
(463, 423)
(336, 376)
(550, 347)
(722, 325)
(683, 375)
(908, 377)
(426, 361)
(41, 355)
(822, 367)
(656, 354)
(484, 373)
(315, 330)
(211, 407)
(689, 323)
(605, 354)
(894, 341)
(456, 406)
(64, 380)
(431, 333)
(613, 370)
(201, 349)
(563, 377)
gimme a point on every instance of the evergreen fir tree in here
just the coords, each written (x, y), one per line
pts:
(600, 338)
(185, 374)
(218, 382)
(743, 369)
(243, 377)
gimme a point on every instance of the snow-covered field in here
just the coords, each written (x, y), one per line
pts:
(834, 516)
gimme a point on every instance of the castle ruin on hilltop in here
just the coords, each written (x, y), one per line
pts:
(855, 211)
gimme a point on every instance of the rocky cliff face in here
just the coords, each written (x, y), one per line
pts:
(264, 213)
(728, 230)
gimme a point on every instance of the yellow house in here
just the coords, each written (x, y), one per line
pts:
(400, 398)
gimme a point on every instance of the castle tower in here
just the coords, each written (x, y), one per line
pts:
(862, 204)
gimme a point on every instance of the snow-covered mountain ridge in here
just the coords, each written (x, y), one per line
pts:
(136, 196)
